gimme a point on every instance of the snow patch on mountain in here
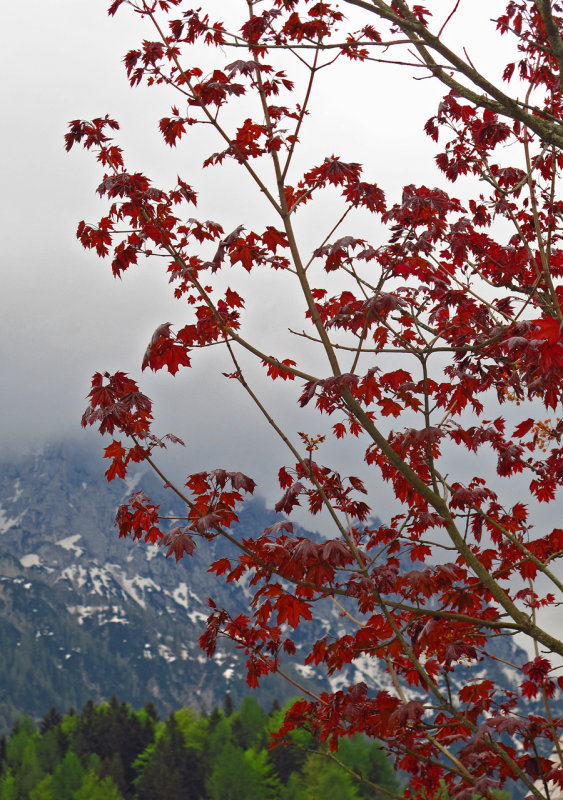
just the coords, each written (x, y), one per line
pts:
(135, 587)
(102, 614)
(6, 522)
(30, 560)
(118, 617)
(180, 595)
(75, 574)
(196, 617)
(101, 581)
(152, 551)
(69, 543)
(305, 670)
(165, 653)
(18, 491)
(83, 612)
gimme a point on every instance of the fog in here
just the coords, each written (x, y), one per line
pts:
(65, 317)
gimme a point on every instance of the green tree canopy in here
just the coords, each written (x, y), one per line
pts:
(170, 770)
(242, 775)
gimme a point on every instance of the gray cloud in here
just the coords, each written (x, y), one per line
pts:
(64, 316)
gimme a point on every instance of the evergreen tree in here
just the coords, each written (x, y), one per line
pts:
(52, 719)
(367, 759)
(30, 771)
(8, 786)
(150, 710)
(23, 731)
(214, 718)
(170, 770)
(240, 775)
(335, 784)
(22, 757)
(228, 706)
(288, 758)
(117, 735)
(325, 780)
(96, 788)
(194, 729)
(50, 749)
(69, 722)
(113, 768)
(67, 777)
(294, 789)
(248, 724)
(219, 737)
(44, 790)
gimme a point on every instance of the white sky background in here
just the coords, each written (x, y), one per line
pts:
(64, 316)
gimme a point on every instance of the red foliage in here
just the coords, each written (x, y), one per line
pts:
(422, 335)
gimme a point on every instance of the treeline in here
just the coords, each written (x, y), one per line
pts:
(111, 752)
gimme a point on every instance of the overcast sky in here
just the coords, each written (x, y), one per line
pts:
(64, 316)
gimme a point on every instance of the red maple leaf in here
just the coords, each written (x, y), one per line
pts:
(292, 610)
(165, 351)
(179, 543)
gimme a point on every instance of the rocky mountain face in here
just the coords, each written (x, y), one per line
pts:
(84, 614)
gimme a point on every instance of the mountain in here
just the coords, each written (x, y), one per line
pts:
(85, 615)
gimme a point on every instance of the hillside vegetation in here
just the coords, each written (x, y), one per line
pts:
(111, 752)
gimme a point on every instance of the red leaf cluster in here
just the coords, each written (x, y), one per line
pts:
(424, 325)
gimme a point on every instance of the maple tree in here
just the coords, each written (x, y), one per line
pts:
(440, 341)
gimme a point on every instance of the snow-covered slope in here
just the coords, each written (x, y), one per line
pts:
(84, 614)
